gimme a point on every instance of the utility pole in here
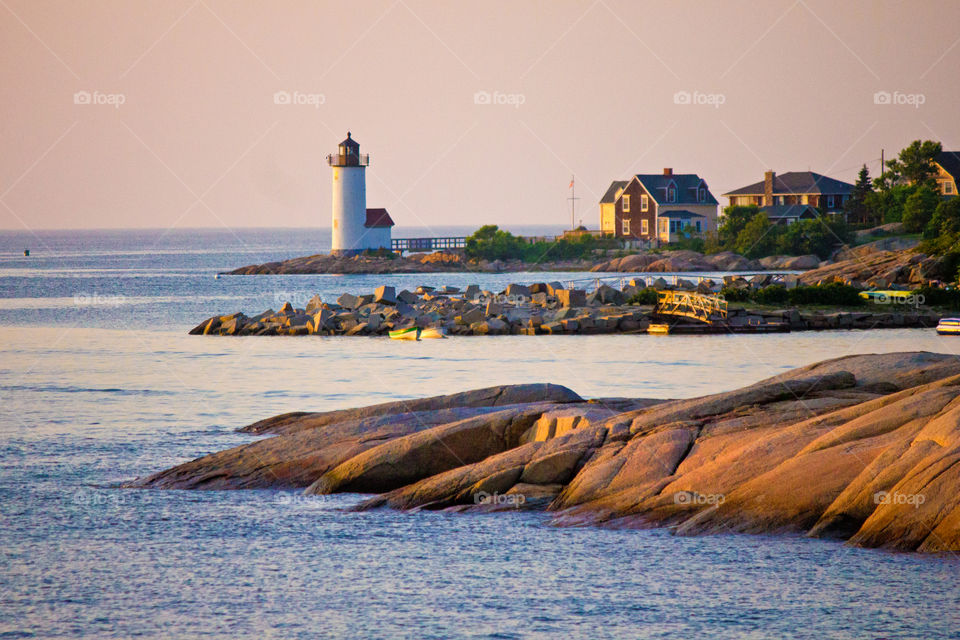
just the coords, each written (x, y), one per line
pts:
(573, 203)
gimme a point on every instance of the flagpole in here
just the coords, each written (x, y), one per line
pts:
(573, 203)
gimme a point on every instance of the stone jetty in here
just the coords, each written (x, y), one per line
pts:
(863, 449)
(540, 308)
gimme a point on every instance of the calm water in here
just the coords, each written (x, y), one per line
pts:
(99, 383)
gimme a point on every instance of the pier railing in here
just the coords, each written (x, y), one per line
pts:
(427, 244)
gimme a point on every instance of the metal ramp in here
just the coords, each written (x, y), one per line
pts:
(704, 308)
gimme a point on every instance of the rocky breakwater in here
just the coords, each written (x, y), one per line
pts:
(535, 309)
(452, 261)
(863, 448)
(540, 308)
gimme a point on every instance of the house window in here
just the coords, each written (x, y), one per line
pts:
(671, 194)
(626, 227)
(703, 195)
(626, 202)
(644, 226)
(829, 201)
(644, 202)
(698, 227)
(948, 188)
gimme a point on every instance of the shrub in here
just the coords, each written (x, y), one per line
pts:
(833, 294)
(731, 294)
(644, 296)
(937, 297)
(775, 294)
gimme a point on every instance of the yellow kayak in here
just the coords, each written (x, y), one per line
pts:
(410, 333)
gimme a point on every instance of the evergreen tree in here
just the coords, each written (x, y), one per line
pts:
(857, 209)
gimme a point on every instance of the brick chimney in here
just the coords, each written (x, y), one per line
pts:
(768, 179)
(668, 171)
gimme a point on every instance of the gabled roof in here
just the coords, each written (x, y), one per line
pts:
(687, 185)
(796, 182)
(611, 194)
(378, 218)
(950, 161)
(680, 214)
(783, 211)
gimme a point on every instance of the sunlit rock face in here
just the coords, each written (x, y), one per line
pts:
(862, 448)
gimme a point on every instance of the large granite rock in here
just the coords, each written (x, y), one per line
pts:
(861, 448)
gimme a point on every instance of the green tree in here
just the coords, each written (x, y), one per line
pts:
(857, 208)
(914, 165)
(919, 208)
(941, 236)
(813, 236)
(887, 204)
(735, 218)
(757, 238)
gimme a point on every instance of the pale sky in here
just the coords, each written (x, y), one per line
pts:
(585, 88)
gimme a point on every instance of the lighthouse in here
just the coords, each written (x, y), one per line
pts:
(355, 228)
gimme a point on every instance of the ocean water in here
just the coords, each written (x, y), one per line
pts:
(100, 383)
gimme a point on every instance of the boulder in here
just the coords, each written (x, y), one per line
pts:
(800, 263)
(517, 291)
(348, 301)
(571, 297)
(385, 294)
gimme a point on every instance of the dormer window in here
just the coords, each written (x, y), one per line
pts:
(672, 193)
(702, 195)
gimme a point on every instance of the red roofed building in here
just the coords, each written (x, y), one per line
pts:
(377, 228)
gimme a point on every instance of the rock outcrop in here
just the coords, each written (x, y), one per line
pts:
(540, 308)
(870, 266)
(862, 448)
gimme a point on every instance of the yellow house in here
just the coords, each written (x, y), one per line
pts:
(608, 207)
(947, 165)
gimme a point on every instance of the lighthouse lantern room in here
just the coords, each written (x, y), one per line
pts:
(354, 230)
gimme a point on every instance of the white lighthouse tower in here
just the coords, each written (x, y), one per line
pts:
(351, 234)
